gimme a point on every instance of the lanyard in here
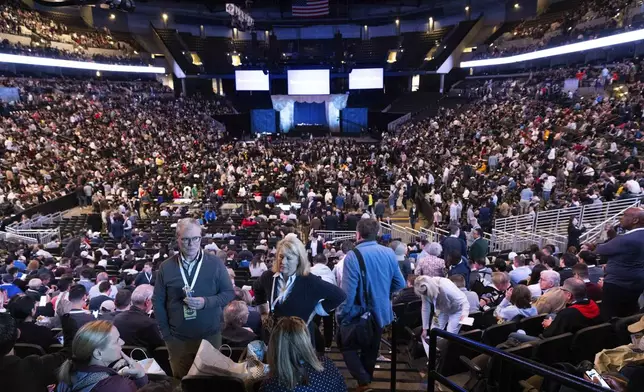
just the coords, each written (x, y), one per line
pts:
(149, 278)
(194, 278)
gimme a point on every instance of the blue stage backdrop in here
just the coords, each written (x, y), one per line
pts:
(353, 119)
(262, 121)
(312, 113)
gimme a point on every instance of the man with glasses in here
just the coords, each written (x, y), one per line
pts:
(190, 292)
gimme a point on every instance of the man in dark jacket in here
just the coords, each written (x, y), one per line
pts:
(31, 373)
(580, 313)
(23, 309)
(624, 280)
(453, 242)
(379, 210)
(331, 221)
(135, 326)
(479, 248)
(104, 289)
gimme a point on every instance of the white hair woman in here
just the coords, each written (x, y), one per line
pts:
(293, 362)
(291, 290)
(450, 302)
(96, 357)
(431, 264)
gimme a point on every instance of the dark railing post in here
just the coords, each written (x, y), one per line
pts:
(431, 363)
(394, 354)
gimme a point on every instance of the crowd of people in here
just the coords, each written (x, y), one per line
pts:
(15, 19)
(569, 28)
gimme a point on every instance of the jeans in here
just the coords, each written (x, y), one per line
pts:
(412, 223)
(362, 362)
(182, 353)
(546, 195)
(524, 206)
(523, 338)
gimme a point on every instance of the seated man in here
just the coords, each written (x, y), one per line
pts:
(580, 313)
(553, 298)
(32, 373)
(23, 309)
(233, 333)
(77, 316)
(121, 304)
(407, 294)
(104, 290)
(494, 294)
(472, 298)
(135, 326)
(593, 290)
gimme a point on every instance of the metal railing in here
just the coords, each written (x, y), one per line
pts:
(335, 235)
(11, 237)
(556, 221)
(576, 383)
(40, 236)
(38, 221)
(520, 240)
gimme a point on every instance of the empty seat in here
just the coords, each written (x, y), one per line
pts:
(450, 362)
(498, 334)
(553, 350)
(23, 350)
(589, 341)
(532, 325)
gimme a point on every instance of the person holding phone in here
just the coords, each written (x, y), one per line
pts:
(98, 363)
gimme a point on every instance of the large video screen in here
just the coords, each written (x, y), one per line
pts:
(310, 81)
(251, 81)
(366, 78)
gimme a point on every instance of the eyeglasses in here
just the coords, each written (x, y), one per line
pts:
(190, 240)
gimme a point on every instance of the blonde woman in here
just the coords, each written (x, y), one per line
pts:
(291, 290)
(96, 357)
(293, 363)
(449, 302)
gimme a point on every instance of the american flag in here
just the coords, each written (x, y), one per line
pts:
(306, 8)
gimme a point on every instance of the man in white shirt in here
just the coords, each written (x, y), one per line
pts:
(101, 277)
(211, 246)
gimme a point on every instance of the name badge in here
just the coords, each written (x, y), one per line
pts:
(189, 314)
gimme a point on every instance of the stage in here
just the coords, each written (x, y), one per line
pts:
(308, 130)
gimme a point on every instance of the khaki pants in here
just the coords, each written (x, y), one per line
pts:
(182, 353)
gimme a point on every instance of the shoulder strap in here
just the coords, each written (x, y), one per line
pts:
(363, 275)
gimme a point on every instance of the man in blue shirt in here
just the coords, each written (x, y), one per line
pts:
(339, 202)
(7, 285)
(526, 198)
(383, 278)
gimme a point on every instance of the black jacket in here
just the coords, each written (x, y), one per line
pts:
(237, 336)
(306, 293)
(141, 278)
(331, 222)
(575, 317)
(95, 303)
(32, 373)
(137, 329)
(36, 334)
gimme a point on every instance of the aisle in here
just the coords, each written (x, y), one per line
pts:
(407, 378)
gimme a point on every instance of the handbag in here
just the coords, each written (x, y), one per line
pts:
(359, 331)
(150, 365)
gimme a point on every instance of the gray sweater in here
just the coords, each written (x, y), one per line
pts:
(212, 283)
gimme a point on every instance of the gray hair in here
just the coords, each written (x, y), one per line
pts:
(434, 249)
(141, 294)
(185, 223)
(236, 313)
(552, 277)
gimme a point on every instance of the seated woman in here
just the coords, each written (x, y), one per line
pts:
(516, 304)
(96, 356)
(294, 366)
(235, 317)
